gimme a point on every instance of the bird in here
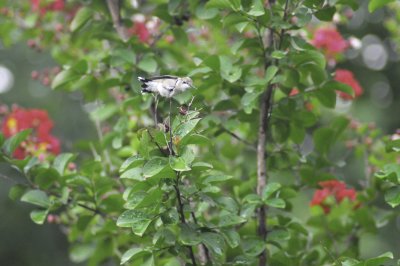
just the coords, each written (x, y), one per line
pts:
(166, 86)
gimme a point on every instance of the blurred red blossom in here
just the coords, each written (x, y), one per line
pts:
(42, 6)
(40, 143)
(347, 77)
(144, 28)
(140, 30)
(332, 189)
(330, 41)
(294, 92)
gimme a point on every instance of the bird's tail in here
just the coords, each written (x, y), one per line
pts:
(144, 85)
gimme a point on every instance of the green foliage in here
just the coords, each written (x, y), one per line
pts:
(189, 194)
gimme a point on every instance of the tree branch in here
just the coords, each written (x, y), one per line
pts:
(182, 214)
(114, 7)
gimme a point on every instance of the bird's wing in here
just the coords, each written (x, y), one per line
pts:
(161, 77)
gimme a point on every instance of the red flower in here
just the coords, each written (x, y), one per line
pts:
(140, 30)
(41, 143)
(294, 92)
(330, 41)
(346, 77)
(334, 188)
(56, 5)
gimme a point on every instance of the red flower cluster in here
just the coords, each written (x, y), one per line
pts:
(56, 5)
(346, 77)
(41, 143)
(334, 188)
(144, 28)
(330, 41)
(140, 30)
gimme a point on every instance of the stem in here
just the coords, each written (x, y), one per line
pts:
(182, 214)
(114, 8)
(262, 169)
(266, 106)
(205, 255)
(170, 128)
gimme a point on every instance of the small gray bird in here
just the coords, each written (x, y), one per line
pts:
(166, 86)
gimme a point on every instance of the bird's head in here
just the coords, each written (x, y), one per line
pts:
(186, 83)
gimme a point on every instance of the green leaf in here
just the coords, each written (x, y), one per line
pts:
(133, 253)
(392, 196)
(61, 162)
(271, 72)
(219, 4)
(270, 189)
(257, 9)
(339, 86)
(131, 162)
(81, 252)
(393, 146)
(249, 101)
(279, 235)
(206, 13)
(324, 138)
(276, 203)
(134, 174)
(139, 220)
(278, 54)
(195, 139)
(178, 164)
(189, 236)
(326, 97)
(2, 139)
(39, 216)
(214, 242)
(375, 4)
(64, 77)
(103, 112)
(154, 166)
(230, 220)
(148, 64)
(13, 142)
(231, 237)
(185, 128)
(253, 247)
(81, 18)
(216, 178)
(326, 13)
(201, 166)
(36, 197)
(379, 260)
(16, 191)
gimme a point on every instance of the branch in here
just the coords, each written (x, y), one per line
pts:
(182, 214)
(234, 135)
(114, 8)
(204, 253)
(266, 106)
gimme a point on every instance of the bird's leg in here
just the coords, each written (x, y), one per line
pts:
(170, 128)
(155, 110)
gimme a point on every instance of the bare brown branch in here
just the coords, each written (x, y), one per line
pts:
(114, 8)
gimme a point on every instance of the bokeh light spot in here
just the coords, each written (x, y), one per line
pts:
(6, 79)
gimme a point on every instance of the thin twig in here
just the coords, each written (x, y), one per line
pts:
(238, 137)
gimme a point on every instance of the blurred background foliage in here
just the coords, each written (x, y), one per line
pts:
(375, 63)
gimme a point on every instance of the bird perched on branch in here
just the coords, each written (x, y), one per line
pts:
(166, 86)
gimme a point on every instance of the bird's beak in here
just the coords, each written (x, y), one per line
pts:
(194, 87)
